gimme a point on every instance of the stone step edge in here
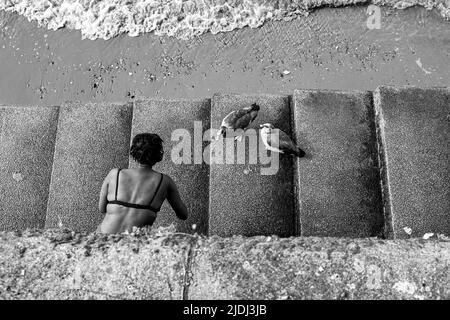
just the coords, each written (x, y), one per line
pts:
(366, 268)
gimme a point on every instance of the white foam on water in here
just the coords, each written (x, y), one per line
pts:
(183, 19)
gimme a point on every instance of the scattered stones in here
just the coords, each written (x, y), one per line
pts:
(407, 230)
(17, 176)
(428, 235)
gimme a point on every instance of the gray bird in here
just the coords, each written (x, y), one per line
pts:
(283, 145)
(238, 119)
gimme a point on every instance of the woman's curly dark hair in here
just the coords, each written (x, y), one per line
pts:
(147, 148)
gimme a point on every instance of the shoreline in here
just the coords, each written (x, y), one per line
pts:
(182, 19)
(332, 48)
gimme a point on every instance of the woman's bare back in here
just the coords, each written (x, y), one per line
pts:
(136, 186)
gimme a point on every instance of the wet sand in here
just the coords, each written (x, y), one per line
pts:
(332, 48)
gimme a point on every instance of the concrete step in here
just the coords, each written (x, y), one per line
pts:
(414, 135)
(338, 181)
(27, 137)
(91, 140)
(192, 176)
(336, 190)
(242, 199)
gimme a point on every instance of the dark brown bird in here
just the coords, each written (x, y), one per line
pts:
(238, 119)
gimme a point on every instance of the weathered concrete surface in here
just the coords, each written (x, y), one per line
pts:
(27, 138)
(192, 178)
(320, 268)
(414, 130)
(243, 200)
(60, 264)
(338, 183)
(92, 139)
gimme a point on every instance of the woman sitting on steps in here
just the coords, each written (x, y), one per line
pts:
(132, 197)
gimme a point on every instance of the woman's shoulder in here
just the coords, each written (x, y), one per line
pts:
(112, 175)
(165, 177)
(113, 172)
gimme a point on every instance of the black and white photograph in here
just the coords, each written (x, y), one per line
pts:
(219, 158)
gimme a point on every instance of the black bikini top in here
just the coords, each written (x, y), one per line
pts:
(133, 205)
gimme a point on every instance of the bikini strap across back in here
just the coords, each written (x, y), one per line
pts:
(137, 206)
(117, 184)
(157, 189)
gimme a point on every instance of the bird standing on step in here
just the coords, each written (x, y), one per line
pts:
(284, 144)
(238, 119)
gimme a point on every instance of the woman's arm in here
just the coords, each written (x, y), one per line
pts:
(173, 196)
(103, 201)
